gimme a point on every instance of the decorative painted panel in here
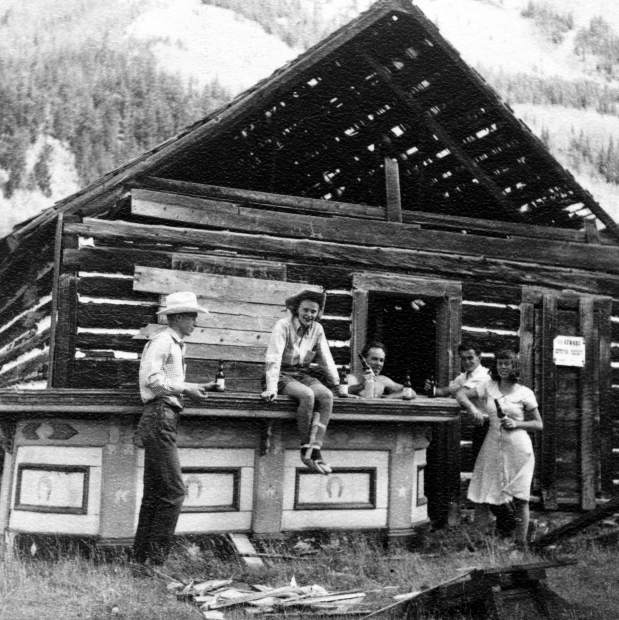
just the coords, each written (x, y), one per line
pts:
(344, 489)
(52, 488)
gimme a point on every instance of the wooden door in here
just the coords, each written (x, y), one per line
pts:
(574, 401)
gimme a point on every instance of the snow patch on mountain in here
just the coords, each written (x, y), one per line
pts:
(26, 203)
(204, 43)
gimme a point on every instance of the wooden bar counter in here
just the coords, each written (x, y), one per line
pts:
(72, 465)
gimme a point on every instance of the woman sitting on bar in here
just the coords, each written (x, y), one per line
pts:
(504, 466)
(296, 341)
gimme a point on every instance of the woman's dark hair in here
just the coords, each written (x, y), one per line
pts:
(373, 344)
(512, 356)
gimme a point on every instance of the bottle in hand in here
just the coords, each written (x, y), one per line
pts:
(344, 379)
(431, 387)
(407, 389)
(220, 378)
(499, 411)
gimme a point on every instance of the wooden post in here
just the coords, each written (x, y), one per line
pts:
(527, 334)
(118, 493)
(548, 470)
(603, 307)
(359, 328)
(6, 488)
(66, 328)
(393, 211)
(269, 482)
(588, 406)
(63, 329)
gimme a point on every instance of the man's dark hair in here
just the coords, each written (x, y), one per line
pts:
(469, 346)
(373, 344)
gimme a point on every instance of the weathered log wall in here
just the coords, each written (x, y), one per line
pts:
(25, 312)
(229, 235)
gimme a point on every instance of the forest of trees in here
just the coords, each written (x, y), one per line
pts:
(108, 105)
(106, 98)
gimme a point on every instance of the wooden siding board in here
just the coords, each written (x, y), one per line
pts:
(215, 286)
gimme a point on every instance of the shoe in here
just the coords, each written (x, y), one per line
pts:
(312, 465)
(324, 467)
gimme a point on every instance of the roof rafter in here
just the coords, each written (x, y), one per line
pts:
(442, 135)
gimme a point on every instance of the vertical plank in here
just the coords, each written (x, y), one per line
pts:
(588, 405)
(269, 482)
(6, 488)
(359, 327)
(64, 310)
(54, 310)
(393, 211)
(548, 473)
(454, 309)
(527, 335)
(603, 310)
(443, 471)
(448, 334)
(592, 234)
(118, 493)
(401, 481)
(66, 331)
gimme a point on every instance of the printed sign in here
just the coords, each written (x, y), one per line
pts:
(568, 351)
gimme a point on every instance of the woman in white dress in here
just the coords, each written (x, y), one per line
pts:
(504, 467)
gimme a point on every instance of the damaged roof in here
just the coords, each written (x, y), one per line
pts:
(387, 83)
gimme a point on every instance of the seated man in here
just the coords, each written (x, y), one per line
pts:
(374, 385)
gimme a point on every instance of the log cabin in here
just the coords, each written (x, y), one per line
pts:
(378, 167)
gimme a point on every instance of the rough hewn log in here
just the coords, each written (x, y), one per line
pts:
(24, 325)
(490, 317)
(35, 341)
(386, 259)
(190, 210)
(121, 316)
(251, 197)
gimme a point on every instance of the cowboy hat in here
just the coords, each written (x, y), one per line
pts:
(182, 301)
(318, 297)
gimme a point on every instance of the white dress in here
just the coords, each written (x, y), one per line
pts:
(504, 467)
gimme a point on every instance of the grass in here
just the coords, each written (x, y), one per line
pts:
(66, 585)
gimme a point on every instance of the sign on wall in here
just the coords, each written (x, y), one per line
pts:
(568, 351)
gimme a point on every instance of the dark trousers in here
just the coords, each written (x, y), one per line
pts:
(164, 490)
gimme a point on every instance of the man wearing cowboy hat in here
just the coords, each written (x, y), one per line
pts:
(162, 388)
(296, 341)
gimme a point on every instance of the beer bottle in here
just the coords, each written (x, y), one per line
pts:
(499, 411)
(431, 391)
(220, 378)
(344, 378)
(407, 390)
(364, 364)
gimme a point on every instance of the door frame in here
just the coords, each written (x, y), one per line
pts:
(538, 327)
(447, 294)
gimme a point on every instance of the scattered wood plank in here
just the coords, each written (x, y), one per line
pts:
(246, 551)
(578, 524)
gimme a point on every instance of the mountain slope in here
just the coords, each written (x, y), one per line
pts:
(100, 83)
